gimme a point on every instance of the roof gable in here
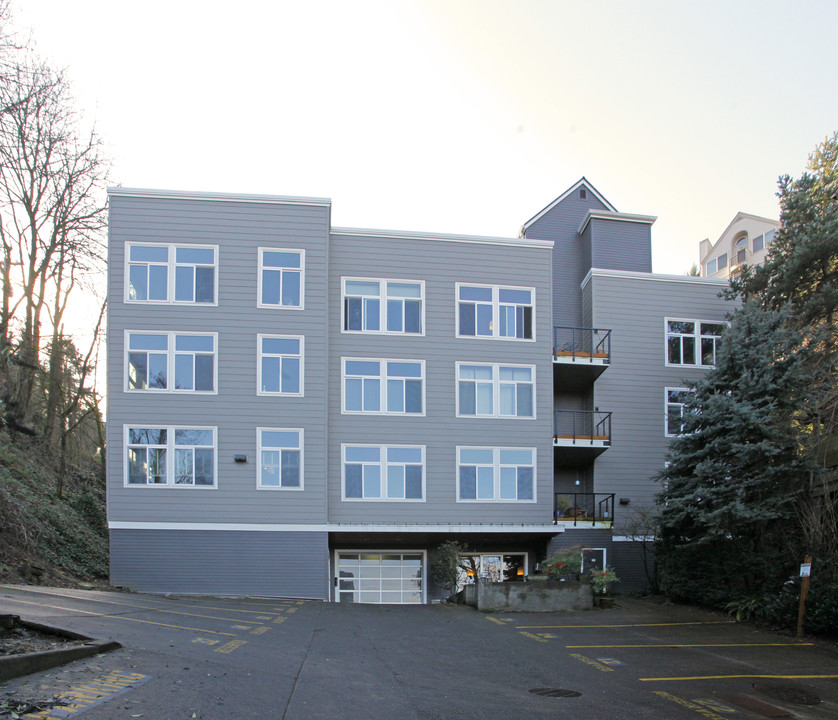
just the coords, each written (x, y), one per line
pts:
(582, 182)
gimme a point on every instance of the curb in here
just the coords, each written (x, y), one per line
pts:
(13, 666)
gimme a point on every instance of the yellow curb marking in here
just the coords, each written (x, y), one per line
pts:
(592, 663)
(92, 693)
(230, 646)
(533, 637)
(674, 645)
(726, 677)
(715, 622)
(700, 709)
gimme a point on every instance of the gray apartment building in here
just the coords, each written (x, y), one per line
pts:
(296, 409)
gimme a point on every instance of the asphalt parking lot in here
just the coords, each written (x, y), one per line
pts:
(219, 658)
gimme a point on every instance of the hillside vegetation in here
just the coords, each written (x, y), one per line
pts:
(46, 538)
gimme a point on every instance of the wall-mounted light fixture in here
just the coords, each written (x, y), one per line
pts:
(240, 458)
(624, 501)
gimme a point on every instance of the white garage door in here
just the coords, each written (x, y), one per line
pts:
(391, 577)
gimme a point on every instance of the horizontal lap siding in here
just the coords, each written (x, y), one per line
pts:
(238, 229)
(197, 562)
(441, 265)
(620, 245)
(632, 387)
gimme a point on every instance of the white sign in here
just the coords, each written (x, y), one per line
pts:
(805, 569)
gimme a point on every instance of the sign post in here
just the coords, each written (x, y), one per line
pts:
(805, 572)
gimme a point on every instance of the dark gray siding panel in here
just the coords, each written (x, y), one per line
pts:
(442, 265)
(561, 224)
(238, 229)
(628, 557)
(620, 245)
(633, 386)
(228, 562)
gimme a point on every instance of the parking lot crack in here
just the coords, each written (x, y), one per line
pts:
(314, 632)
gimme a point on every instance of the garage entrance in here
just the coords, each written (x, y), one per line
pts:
(381, 577)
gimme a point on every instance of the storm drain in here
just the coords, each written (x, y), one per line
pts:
(555, 692)
(788, 693)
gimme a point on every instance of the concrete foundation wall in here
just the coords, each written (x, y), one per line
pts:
(529, 596)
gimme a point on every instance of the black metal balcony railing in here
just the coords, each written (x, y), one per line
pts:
(578, 344)
(581, 427)
(589, 508)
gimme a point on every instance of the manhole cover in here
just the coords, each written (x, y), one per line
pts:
(555, 692)
(796, 694)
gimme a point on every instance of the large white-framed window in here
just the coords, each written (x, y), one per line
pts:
(170, 361)
(496, 474)
(394, 473)
(382, 386)
(170, 456)
(495, 311)
(280, 458)
(675, 410)
(281, 282)
(692, 343)
(184, 274)
(495, 390)
(281, 365)
(375, 305)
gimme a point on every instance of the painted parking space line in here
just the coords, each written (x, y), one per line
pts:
(141, 607)
(531, 636)
(611, 662)
(716, 705)
(695, 707)
(95, 692)
(593, 663)
(123, 617)
(495, 620)
(728, 677)
(280, 619)
(230, 646)
(669, 624)
(206, 641)
(691, 645)
(260, 630)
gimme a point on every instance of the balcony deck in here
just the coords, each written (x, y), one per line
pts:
(580, 356)
(585, 432)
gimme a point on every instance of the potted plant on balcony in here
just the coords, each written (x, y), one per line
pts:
(601, 578)
(562, 504)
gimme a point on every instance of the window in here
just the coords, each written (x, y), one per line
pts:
(493, 390)
(758, 243)
(172, 273)
(390, 387)
(692, 342)
(174, 362)
(741, 256)
(170, 456)
(675, 410)
(711, 266)
(281, 278)
(495, 312)
(722, 261)
(384, 472)
(486, 474)
(385, 306)
(280, 370)
(280, 459)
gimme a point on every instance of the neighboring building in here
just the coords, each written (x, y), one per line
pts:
(745, 241)
(301, 410)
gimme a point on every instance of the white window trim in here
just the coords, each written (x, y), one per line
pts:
(170, 279)
(170, 456)
(495, 391)
(382, 377)
(271, 336)
(170, 362)
(382, 310)
(666, 392)
(334, 588)
(496, 464)
(495, 312)
(383, 465)
(260, 447)
(302, 305)
(696, 335)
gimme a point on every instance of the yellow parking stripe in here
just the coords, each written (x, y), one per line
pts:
(673, 624)
(144, 607)
(726, 677)
(676, 645)
(123, 617)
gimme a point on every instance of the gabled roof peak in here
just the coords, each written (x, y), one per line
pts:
(582, 182)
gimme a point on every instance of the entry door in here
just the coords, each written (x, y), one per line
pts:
(379, 578)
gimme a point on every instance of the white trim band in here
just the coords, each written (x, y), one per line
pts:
(440, 237)
(336, 527)
(216, 196)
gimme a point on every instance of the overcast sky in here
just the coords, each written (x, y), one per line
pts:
(455, 116)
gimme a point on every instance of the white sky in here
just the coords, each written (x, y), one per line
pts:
(458, 116)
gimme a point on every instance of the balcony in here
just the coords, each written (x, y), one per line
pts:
(583, 509)
(580, 356)
(585, 433)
